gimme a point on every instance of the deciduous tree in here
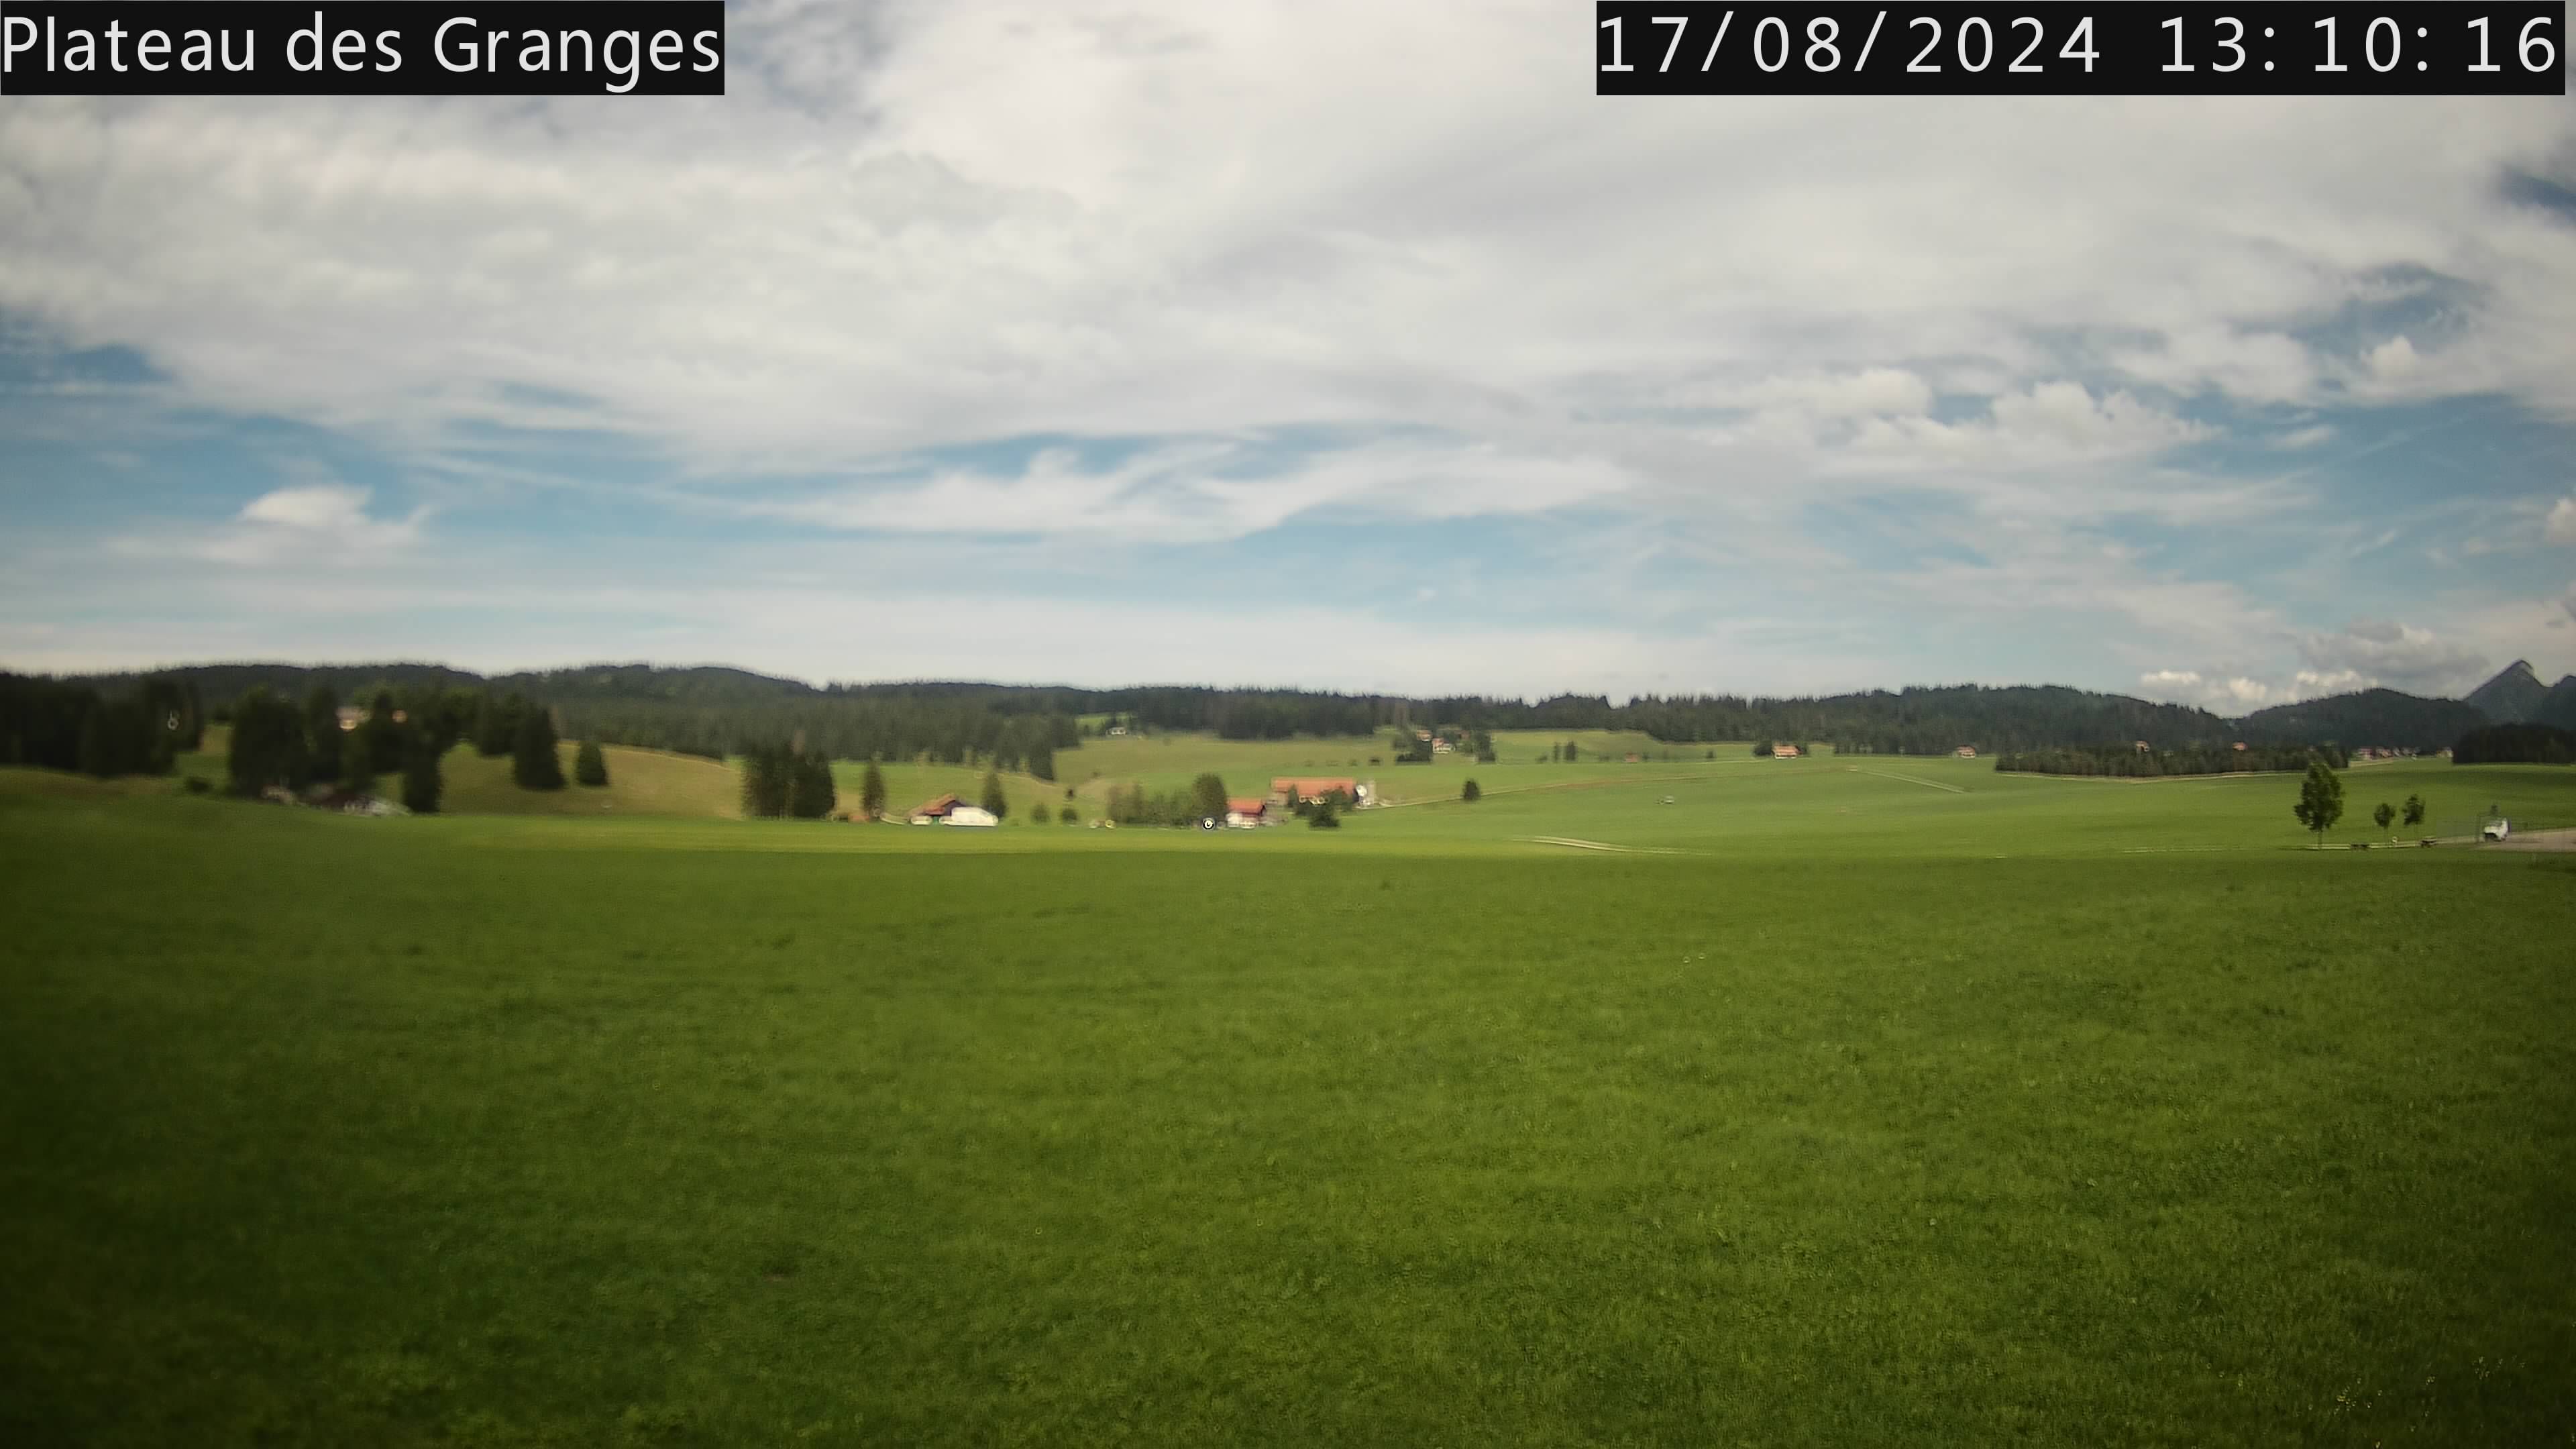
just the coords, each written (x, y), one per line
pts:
(2320, 799)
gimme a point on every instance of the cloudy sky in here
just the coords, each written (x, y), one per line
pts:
(1215, 343)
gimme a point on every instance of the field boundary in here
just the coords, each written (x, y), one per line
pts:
(1570, 843)
(1910, 780)
(2155, 779)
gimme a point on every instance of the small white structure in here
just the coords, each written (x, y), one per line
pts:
(969, 815)
(2496, 830)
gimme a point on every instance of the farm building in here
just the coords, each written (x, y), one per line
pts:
(1288, 790)
(1965, 752)
(1784, 752)
(351, 716)
(1247, 813)
(931, 812)
(970, 815)
(2144, 748)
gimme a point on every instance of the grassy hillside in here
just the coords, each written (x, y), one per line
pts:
(1163, 762)
(640, 782)
(911, 785)
(1835, 1131)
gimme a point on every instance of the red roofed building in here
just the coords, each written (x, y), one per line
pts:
(1247, 812)
(1289, 790)
(938, 809)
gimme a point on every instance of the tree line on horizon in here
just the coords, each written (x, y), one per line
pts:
(2130, 762)
(719, 713)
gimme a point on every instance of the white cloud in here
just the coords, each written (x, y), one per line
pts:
(1872, 392)
(2050, 423)
(1173, 228)
(2222, 694)
(2560, 526)
(319, 526)
(1206, 491)
(2398, 656)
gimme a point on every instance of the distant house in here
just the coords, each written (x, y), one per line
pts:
(2144, 748)
(1114, 731)
(351, 716)
(2496, 830)
(932, 812)
(1965, 752)
(1633, 757)
(1784, 752)
(1246, 813)
(1288, 790)
(2240, 747)
(969, 815)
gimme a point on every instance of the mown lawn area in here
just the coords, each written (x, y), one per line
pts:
(327, 1131)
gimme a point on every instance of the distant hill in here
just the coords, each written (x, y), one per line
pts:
(2514, 696)
(2560, 707)
(714, 710)
(2373, 718)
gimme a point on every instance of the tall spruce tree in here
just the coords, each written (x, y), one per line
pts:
(872, 792)
(589, 765)
(358, 759)
(268, 744)
(1041, 764)
(994, 800)
(490, 733)
(766, 771)
(810, 793)
(533, 762)
(322, 730)
(422, 784)
(386, 732)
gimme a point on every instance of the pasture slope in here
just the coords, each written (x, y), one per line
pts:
(2028, 1111)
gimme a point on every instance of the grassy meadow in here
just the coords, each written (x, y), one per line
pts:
(1820, 1102)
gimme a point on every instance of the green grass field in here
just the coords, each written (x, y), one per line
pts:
(1840, 1102)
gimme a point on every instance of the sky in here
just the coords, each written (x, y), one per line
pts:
(1177, 342)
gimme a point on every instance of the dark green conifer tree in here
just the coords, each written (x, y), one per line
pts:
(534, 764)
(589, 765)
(422, 784)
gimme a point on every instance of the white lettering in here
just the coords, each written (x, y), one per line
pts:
(712, 59)
(10, 44)
(438, 45)
(154, 43)
(632, 68)
(298, 38)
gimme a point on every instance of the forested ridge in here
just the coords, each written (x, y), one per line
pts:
(719, 712)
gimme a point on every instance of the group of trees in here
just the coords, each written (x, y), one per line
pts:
(2521, 744)
(70, 726)
(2320, 803)
(2133, 763)
(1205, 799)
(278, 745)
(786, 781)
